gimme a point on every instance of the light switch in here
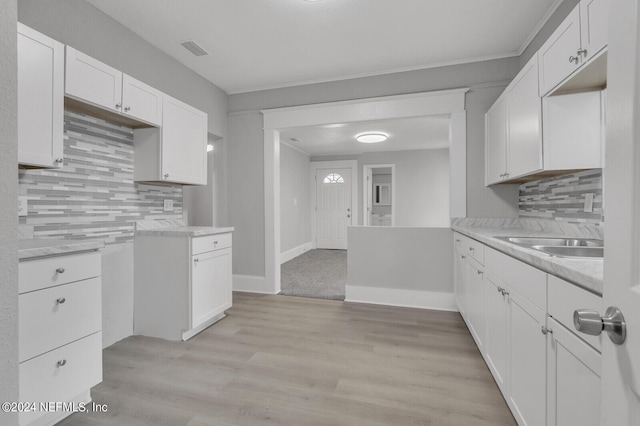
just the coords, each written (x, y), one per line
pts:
(22, 206)
(168, 205)
(588, 202)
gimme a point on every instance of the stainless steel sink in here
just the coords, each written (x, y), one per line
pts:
(572, 251)
(561, 247)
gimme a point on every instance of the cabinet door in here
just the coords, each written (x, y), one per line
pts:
(91, 81)
(184, 143)
(573, 379)
(496, 142)
(524, 122)
(40, 99)
(527, 361)
(460, 280)
(594, 17)
(556, 53)
(475, 309)
(141, 101)
(210, 285)
(496, 332)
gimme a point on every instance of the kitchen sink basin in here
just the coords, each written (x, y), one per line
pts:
(552, 241)
(561, 247)
(572, 251)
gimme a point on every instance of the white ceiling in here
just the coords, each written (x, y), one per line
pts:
(259, 44)
(404, 134)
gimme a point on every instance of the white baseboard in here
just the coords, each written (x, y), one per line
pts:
(399, 297)
(250, 284)
(294, 252)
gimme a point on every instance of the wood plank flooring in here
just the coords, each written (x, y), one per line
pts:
(278, 360)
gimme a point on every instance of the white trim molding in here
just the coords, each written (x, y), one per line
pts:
(399, 297)
(251, 284)
(295, 252)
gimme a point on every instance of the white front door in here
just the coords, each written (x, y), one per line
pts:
(333, 207)
(620, 391)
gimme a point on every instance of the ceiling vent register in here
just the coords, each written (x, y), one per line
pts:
(194, 48)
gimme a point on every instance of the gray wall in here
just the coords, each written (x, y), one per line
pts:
(421, 185)
(486, 81)
(295, 210)
(400, 258)
(8, 210)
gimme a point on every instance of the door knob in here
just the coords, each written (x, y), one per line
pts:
(588, 321)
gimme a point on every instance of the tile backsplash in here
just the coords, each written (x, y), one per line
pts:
(93, 196)
(562, 198)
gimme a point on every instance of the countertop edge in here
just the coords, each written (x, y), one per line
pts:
(47, 248)
(184, 231)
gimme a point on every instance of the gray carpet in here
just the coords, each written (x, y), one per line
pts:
(321, 274)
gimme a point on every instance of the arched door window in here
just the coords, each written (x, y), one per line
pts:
(333, 178)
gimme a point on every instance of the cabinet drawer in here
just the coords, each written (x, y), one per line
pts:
(210, 242)
(46, 324)
(565, 298)
(529, 281)
(469, 247)
(57, 270)
(42, 379)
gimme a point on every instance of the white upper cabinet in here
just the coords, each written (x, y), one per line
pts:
(40, 99)
(176, 152)
(573, 131)
(524, 122)
(594, 15)
(578, 39)
(496, 142)
(141, 101)
(92, 81)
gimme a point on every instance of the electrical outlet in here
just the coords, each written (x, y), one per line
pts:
(168, 205)
(588, 202)
(22, 206)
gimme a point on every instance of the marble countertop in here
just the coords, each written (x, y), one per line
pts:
(184, 231)
(585, 273)
(31, 249)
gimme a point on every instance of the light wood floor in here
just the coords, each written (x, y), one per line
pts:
(278, 360)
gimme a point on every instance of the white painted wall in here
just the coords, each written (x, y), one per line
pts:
(246, 151)
(295, 217)
(401, 266)
(421, 186)
(8, 210)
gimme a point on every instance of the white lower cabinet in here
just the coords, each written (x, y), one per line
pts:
(60, 333)
(182, 283)
(548, 374)
(527, 361)
(573, 379)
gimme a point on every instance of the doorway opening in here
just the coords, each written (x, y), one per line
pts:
(379, 194)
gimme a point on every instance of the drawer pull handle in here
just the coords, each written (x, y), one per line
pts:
(60, 270)
(61, 363)
(60, 300)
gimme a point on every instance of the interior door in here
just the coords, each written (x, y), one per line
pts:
(620, 391)
(333, 207)
(369, 212)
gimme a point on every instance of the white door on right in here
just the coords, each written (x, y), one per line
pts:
(620, 391)
(333, 208)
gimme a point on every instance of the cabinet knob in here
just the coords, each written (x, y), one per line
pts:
(582, 52)
(60, 300)
(574, 59)
(61, 363)
(127, 109)
(480, 272)
(500, 289)
(215, 243)
(196, 260)
(546, 330)
(457, 240)
(463, 256)
(504, 292)
(166, 175)
(118, 106)
(60, 270)
(59, 160)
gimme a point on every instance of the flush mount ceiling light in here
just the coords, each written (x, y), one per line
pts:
(371, 137)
